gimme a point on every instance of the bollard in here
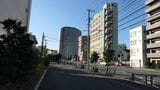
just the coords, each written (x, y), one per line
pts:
(146, 79)
(132, 77)
(151, 80)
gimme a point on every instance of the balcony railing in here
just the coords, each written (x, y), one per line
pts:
(153, 55)
(151, 8)
(149, 1)
(153, 35)
(153, 45)
(155, 16)
(153, 26)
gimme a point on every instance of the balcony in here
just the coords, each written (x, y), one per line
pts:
(153, 26)
(109, 28)
(106, 18)
(153, 17)
(107, 12)
(149, 2)
(153, 55)
(110, 22)
(110, 42)
(153, 35)
(106, 25)
(151, 8)
(109, 35)
(107, 31)
(153, 45)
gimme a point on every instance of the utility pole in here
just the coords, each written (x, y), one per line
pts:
(42, 47)
(45, 44)
(88, 44)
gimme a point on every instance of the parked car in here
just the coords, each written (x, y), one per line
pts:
(102, 63)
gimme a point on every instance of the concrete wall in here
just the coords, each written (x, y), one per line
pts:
(15, 9)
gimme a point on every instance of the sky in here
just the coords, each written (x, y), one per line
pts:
(49, 16)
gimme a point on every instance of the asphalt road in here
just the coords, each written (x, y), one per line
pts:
(58, 78)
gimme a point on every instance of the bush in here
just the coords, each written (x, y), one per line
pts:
(18, 56)
(82, 66)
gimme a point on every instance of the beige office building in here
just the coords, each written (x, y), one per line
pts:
(82, 49)
(104, 30)
(153, 32)
(15, 9)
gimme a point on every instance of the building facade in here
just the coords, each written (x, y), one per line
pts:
(137, 47)
(69, 42)
(153, 32)
(15, 9)
(82, 49)
(111, 27)
(123, 53)
(104, 30)
(97, 35)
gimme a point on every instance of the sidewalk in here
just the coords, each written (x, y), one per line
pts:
(155, 72)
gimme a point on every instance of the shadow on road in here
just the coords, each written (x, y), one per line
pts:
(68, 79)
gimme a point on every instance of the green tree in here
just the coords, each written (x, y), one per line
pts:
(108, 55)
(58, 57)
(94, 57)
(51, 58)
(18, 57)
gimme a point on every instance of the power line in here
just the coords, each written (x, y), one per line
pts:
(98, 5)
(126, 7)
(52, 41)
(132, 19)
(56, 40)
(51, 38)
(138, 17)
(125, 3)
(93, 4)
(131, 13)
(132, 25)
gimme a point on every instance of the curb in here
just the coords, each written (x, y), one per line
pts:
(39, 82)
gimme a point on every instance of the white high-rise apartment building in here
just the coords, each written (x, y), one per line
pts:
(137, 47)
(104, 30)
(153, 32)
(15, 9)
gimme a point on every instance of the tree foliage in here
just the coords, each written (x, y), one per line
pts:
(94, 57)
(51, 58)
(108, 55)
(18, 57)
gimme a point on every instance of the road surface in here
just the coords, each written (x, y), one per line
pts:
(63, 77)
